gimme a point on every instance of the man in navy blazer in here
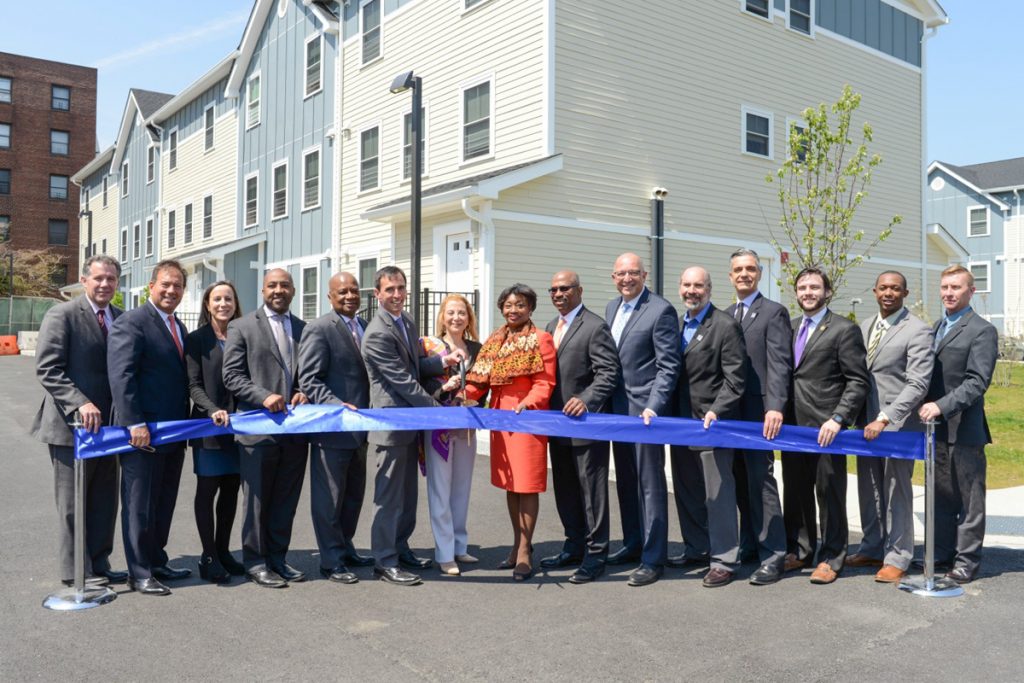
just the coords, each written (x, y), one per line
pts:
(148, 381)
(646, 333)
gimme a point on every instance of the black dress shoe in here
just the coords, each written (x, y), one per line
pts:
(233, 566)
(339, 574)
(148, 586)
(357, 560)
(167, 573)
(396, 576)
(941, 566)
(409, 560)
(717, 577)
(113, 576)
(267, 578)
(586, 574)
(645, 575)
(560, 560)
(961, 575)
(766, 574)
(684, 562)
(212, 570)
(288, 572)
(623, 556)
(90, 581)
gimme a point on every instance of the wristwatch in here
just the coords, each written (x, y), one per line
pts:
(838, 418)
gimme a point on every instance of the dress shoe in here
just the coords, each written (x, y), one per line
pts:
(767, 574)
(267, 578)
(684, 562)
(791, 563)
(623, 556)
(586, 574)
(449, 569)
(339, 574)
(90, 581)
(510, 559)
(357, 560)
(148, 586)
(289, 573)
(941, 566)
(168, 573)
(233, 566)
(644, 575)
(824, 573)
(859, 560)
(560, 560)
(396, 576)
(889, 574)
(113, 576)
(961, 575)
(409, 560)
(522, 572)
(717, 577)
(466, 558)
(211, 569)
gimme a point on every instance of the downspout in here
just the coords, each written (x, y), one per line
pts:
(485, 248)
(337, 140)
(925, 35)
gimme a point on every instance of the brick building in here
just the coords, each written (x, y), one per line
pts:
(47, 132)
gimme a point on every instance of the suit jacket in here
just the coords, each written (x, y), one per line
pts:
(832, 377)
(147, 375)
(964, 362)
(588, 365)
(204, 361)
(331, 371)
(714, 369)
(900, 371)
(395, 371)
(254, 369)
(768, 339)
(649, 355)
(71, 364)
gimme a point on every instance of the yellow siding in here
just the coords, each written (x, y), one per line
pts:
(104, 220)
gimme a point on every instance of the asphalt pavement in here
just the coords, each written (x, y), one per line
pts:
(480, 626)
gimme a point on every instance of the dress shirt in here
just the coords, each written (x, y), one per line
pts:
(353, 324)
(691, 322)
(887, 324)
(950, 321)
(571, 315)
(748, 302)
(626, 309)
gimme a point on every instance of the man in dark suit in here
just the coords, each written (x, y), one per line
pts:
(966, 348)
(768, 339)
(646, 333)
(710, 388)
(588, 371)
(830, 383)
(331, 371)
(395, 363)
(261, 370)
(148, 382)
(71, 364)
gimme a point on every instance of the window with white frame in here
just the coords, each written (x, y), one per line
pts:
(369, 159)
(407, 143)
(252, 195)
(476, 121)
(367, 270)
(762, 8)
(187, 228)
(279, 203)
(801, 16)
(124, 179)
(150, 164)
(314, 65)
(104, 192)
(136, 241)
(5, 136)
(208, 128)
(370, 30)
(150, 237)
(311, 179)
(797, 143)
(5, 89)
(60, 142)
(172, 228)
(124, 245)
(172, 150)
(757, 132)
(980, 273)
(103, 249)
(977, 221)
(207, 216)
(310, 292)
(252, 101)
(59, 187)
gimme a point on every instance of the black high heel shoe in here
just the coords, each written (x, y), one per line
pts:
(520, 576)
(233, 566)
(211, 569)
(510, 561)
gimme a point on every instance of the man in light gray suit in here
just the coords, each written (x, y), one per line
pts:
(71, 364)
(395, 364)
(900, 359)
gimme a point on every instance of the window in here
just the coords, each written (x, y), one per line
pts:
(757, 133)
(252, 193)
(5, 89)
(207, 216)
(83, 198)
(172, 150)
(252, 101)
(470, 4)
(60, 142)
(208, 128)
(369, 159)
(124, 179)
(5, 181)
(369, 15)
(977, 221)
(188, 224)
(150, 164)
(172, 226)
(310, 292)
(57, 232)
(104, 247)
(124, 245)
(476, 121)
(407, 143)
(314, 65)
(280, 201)
(761, 8)
(800, 17)
(311, 179)
(980, 273)
(149, 237)
(58, 187)
(5, 228)
(5, 136)
(136, 241)
(797, 143)
(60, 97)
(104, 192)
(367, 269)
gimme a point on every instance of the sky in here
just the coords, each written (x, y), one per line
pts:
(975, 94)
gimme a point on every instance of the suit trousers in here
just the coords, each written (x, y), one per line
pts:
(627, 489)
(705, 493)
(337, 485)
(808, 478)
(149, 492)
(448, 485)
(272, 477)
(757, 496)
(651, 494)
(580, 477)
(886, 500)
(395, 491)
(101, 498)
(959, 504)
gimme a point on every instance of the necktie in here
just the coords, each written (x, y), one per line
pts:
(740, 310)
(943, 329)
(280, 336)
(620, 321)
(559, 332)
(353, 326)
(102, 318)
(876, 338)
(801, 341)
(173, 324)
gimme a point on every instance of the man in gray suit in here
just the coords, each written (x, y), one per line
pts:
(261, 370)
(71, 364)
(395, 364)
(900, 359)
(966, 347)
(331, 371)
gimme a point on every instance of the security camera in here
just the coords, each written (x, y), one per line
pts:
(659, 193)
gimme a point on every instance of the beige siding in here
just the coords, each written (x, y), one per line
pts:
(104, 220)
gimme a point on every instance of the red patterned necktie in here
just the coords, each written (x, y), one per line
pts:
(102, 318)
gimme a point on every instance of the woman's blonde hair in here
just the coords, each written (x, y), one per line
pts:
(471, 331)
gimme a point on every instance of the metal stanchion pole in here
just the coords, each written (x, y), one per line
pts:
(79, 597)
(928, 585)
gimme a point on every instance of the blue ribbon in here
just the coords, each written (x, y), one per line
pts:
(313, 419)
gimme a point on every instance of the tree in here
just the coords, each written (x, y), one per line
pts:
(821, 184)
(35, 271)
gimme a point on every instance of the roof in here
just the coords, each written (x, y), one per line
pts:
(98, 162)
(149, 101)
(992, 175)
(145, 103)
(957, 172)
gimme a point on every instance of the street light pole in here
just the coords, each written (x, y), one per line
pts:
(406, 81)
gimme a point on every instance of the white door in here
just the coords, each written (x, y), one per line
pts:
(458, 275)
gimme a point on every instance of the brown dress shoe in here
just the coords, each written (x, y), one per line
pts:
(791, 563)
(889, 574)
(823, 573)
(858, 560)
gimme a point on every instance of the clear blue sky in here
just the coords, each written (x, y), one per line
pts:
(975, 93)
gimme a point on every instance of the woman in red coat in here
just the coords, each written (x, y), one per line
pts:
(517, 364)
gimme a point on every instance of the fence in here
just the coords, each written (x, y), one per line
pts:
(23, 313)
(430, 303)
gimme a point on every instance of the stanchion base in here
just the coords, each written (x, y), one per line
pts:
(70, 600)
(941, 587)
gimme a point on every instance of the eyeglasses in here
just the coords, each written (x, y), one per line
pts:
(623, 273)
(561, 289)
